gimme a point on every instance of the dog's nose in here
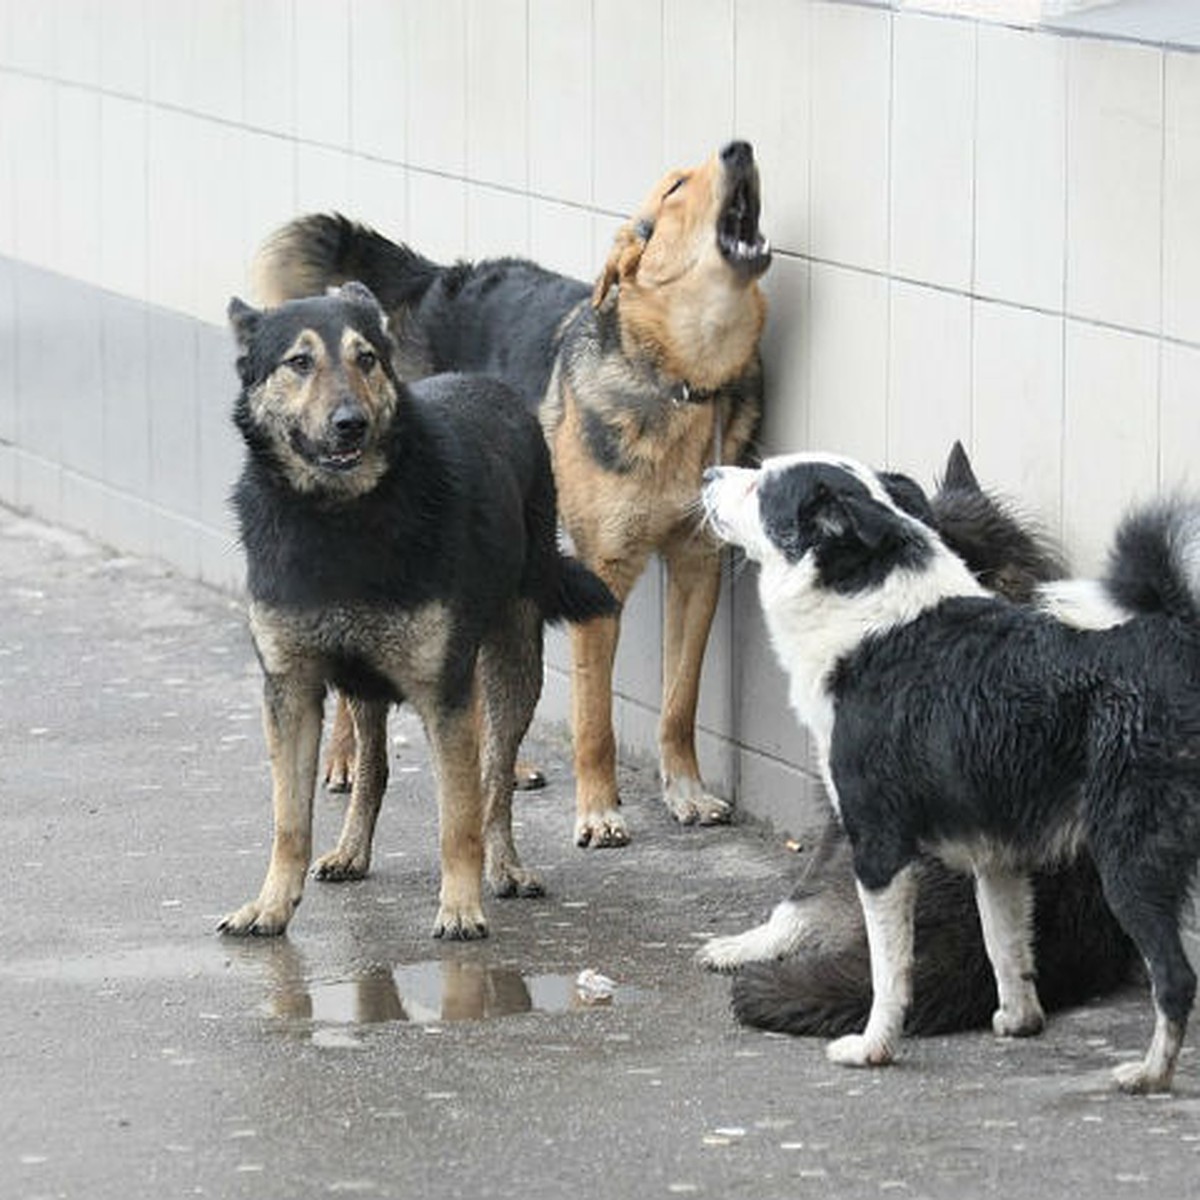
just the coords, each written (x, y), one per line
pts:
(349, 424)
(738, 155)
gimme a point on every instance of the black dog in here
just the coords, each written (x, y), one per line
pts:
(995, 737)
(400, 545)
(807, 970)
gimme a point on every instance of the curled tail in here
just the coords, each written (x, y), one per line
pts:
(1153, 568)
(1154, 564)
(318, 251)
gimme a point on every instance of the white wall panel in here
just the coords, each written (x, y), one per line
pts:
(1020, 168)
(932, 150)
(851, 96)
(1114, 183)
(980, 232)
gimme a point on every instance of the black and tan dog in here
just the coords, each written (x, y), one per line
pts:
(401, 546)
(641, 382)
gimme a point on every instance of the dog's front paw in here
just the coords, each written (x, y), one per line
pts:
(857, 1050)
(725, 954)
(602, 829)
(257, 919)
(690, 804)
(1027, 1021)
(460, 924)
(340, 865)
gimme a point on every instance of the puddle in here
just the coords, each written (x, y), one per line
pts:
(435, 992)
(333, 1011)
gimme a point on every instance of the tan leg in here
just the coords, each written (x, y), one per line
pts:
(454, 738)
(339, 756)
(510, 673)
(351, 859)
(292, 721)
(597, 820)
(693, 588)
(598, 823)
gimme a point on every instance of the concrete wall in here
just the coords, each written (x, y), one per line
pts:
(982, 231)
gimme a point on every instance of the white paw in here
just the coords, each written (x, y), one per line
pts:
(726, 953)
(1138, 1079)
(857, 1050)
(1026, 1021)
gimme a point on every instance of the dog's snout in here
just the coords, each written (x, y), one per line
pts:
(738, 155)
(349, 423)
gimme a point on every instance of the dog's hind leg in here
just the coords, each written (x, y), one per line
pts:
(339, 754)
(1005, 901)
(351, 858)
(510, 670)
(598, 821)
(1151, 918)
(693, 587)
(888, 912)
(292, 722)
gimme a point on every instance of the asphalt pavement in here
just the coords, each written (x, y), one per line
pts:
(142, 1055)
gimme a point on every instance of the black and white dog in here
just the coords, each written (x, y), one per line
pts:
(806, 969)
(996, 737)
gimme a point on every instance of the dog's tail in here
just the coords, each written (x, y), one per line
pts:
(577, 594)
(1154, 563)
(321, 250)
(1153, 568)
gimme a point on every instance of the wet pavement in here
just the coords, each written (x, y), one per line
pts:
(142, 1055)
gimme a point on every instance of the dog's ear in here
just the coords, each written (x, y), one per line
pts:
(908, 495)
(359, 293)
(623, 258)
(838, 515)
(243, 320)
(959, 477)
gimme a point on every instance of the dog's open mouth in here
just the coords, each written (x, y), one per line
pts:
(334, 458)
(738, 237)
(340, 460)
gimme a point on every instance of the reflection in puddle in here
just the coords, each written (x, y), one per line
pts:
(434, 991)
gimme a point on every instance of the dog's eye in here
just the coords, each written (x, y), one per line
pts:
(367, 360)
(301, 363)
(675, 186)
